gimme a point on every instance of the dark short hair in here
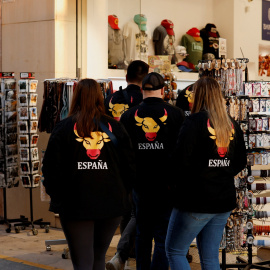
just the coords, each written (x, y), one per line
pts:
(136, 71)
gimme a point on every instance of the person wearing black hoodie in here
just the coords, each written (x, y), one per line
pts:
(88, 171)
(210, 151)
(120, 101)
(153, 126)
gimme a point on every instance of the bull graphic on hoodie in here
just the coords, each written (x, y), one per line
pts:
(222, 151)
(149, 125)
(118, 109)
(93, 145)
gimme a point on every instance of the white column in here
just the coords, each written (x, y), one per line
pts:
(97, 39)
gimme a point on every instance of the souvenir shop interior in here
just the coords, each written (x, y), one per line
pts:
(180, 39)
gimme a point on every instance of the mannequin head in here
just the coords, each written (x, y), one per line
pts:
(141, 20)
(180, 53)
(168, 25)
(113, 22)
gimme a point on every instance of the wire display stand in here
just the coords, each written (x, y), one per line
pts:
(19, 120)
(8, 222)
(9, 169)
(28, 139)
(254, 127)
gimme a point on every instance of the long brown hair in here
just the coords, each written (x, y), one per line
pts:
(87, 106)
(208, 96)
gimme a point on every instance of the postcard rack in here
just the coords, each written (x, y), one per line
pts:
(9, 168)
(28, 140)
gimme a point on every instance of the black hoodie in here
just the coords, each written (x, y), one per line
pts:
(88, 184)
(205, 182)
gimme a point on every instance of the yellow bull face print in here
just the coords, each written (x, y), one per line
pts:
(117, 109)
(149, 125)
(222, 151)
(190, 98)
(93, 145)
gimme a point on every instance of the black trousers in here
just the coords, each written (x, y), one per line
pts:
(88, 241)
(126, 244)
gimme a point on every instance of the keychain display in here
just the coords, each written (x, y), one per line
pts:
(238, 108)
(170, 88)
(261, 230)
(228, 72)
(257, 89)
(250, 107)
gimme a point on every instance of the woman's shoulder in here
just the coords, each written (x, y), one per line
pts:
(109, 120)
(198, 116)
(63, 125)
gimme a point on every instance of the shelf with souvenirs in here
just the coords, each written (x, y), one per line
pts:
(248, 106)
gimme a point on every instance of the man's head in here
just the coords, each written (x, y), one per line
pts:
(152, 85)
(136, 71)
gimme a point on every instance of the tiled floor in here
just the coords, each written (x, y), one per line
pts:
(25, 251)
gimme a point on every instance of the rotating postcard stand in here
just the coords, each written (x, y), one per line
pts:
(9, 169)
(28, 139)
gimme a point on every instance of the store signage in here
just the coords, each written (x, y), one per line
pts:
(27, 75)
(265, 20)
(6, 74)
(222, 48)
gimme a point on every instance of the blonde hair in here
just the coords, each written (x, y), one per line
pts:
(208, 96)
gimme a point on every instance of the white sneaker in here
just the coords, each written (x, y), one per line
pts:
(115, 263)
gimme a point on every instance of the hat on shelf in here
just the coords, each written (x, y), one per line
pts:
(153, 81)
(195, 33)
(181, 50)
(212, 30)
(141, 20)
(168, 25)
(113, 21)
(184, 68)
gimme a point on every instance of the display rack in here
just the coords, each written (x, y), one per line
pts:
(248, 106)
(57, 98)
(9, 169)
(28, 140)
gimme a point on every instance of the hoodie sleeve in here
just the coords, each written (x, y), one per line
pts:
(240, 150)
(182, 156)
(127, 157)
(54, 164)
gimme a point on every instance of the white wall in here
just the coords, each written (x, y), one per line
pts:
(97, 39)
(238, 21)
(247, 33)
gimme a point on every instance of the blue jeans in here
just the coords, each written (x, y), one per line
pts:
(151, 223)
(184, 227)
